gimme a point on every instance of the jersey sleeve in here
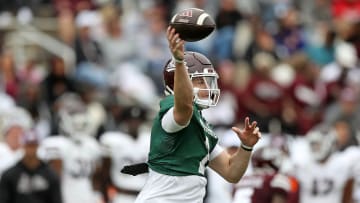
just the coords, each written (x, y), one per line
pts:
(216, 152)
(52, 148)
(111, 142)
(95, 149)
(169, 124)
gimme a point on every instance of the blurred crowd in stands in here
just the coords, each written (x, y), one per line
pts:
(288, 64)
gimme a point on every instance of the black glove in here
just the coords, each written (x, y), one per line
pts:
(135, 169)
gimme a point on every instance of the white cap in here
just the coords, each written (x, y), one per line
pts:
(87, 18)
(345, 55)
(263, 59)
(15, 116)
(6, 102)
(283, 74)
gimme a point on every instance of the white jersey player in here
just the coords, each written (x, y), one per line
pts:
(77, 152)
(127, 149)
(79, 158)
(328, 176)
(352, 154)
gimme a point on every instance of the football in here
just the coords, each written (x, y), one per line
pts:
(193, 24)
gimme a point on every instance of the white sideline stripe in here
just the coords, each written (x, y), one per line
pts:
(201, 19)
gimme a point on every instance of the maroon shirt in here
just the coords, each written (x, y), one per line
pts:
(266, 92)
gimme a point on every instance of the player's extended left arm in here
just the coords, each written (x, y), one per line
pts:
(232, 167)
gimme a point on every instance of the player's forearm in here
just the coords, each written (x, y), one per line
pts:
(238, 164)
(183, 92)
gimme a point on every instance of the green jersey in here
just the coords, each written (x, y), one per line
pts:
(182, 153)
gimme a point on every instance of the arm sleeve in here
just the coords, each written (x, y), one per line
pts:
(169, 124)
(216, 151)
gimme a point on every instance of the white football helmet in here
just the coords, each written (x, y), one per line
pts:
(322, 140)
(73, 118)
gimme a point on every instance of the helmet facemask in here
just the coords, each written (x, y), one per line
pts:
(209, 89)
(74, 123)
(322, 143)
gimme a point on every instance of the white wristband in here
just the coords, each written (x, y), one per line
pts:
(246, 148)
(178, 60)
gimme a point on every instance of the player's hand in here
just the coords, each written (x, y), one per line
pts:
(176, 45)
(250, 134)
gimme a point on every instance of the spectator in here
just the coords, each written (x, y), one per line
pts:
(228, 15)
(30, 99)
(15, 121)
(114, 38)
(346, 135)
(11, 149)
(9, 80)
(226, 21)
(342, 72)
(263, 97)
(57, 82)
(346, 9)
(307, 94)
(263, 42)
(289, 37)
(86, 48)
(154, 49)
(322, 52)
(30, 180)
(31, 72)
(346, 108)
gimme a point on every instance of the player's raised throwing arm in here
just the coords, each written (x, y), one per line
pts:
(183, 89)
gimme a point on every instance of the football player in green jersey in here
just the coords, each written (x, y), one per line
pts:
(182, 142)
